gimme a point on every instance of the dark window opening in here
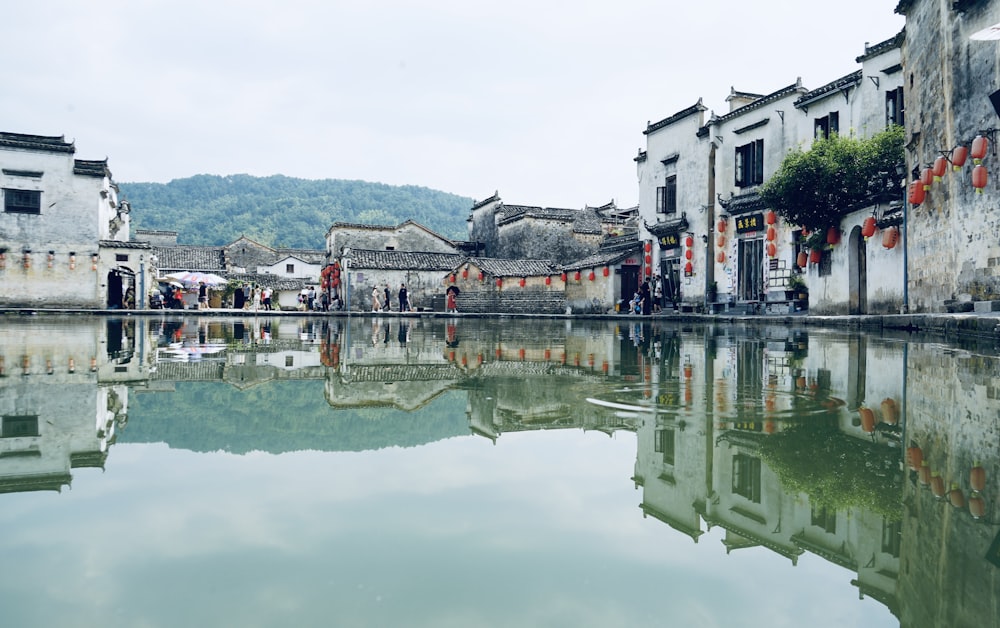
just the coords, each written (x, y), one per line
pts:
(826, 126)
(825, 518)
(894, 107)
(22, 201)
(746, 477)
(666, 197)
(665, 445)
(19, 425)
(750, 164)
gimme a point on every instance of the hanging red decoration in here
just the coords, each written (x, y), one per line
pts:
(802, 259)
(978, 151)
(721, 227)
(958, 156)
(940, 167)
(688, 268)
(606, 271)
(833, 235)
(452, 277)
(979, 178)
(721, 241)
(977, 506)
(688, 254)
(522, 282)
(649, 260)
(890, 237)
(465, 273)
(867, 420)
(868, 227)
(937, 485)
(721, 257)
(689, 241)
(977, 477)
(499, 282)
(890, 412)
(770, 217)
(649, 271)
(926, 178)
(772, 234)
(647, 247)
(576, 276)
(548, 280)
(917, 194)
(924, 474)
(815, 256)
(956, 496)
(915, 456)
(772, 249)
(481, 276)
(591, 276)
(562, 276)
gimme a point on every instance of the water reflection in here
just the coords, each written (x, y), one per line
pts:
(876, 454)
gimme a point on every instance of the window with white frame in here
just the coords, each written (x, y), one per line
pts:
(666, 197)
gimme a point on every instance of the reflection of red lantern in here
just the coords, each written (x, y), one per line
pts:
(979, 178)
(939, 167)
(924, 474)
(956, 496)
(815, 256)
(958, 156)
(868, 227)
(978, 152)
(977, 506)
(917, 194)
(649, 271)
(802, 259)
(465, 273)
(889, 237)
(867, 420)
(452, 278)
(937, 484)
(889, 411)
(770, 217)
(481, 276)
(977, 477)
(915, 456)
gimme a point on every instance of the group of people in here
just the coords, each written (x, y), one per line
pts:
(382, 303)
(250, 296)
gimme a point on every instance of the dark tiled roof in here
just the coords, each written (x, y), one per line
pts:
(743, 203)
(116, 244)
(641, 157)
(154, 232)
(680, 115)
(668, 227)
(588, 221)
(313, 256)
(403, 260)
(895, 41)
(515, 267)
(603, 257)
(486, 201)
(844, 82)
(91, 168)
(51, 143)
(369, 227)
(273, 281)
(188, 257)
(510, 213)
(763, 100)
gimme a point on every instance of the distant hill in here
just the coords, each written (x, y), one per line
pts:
(285, 211)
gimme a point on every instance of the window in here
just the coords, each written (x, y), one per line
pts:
(750, 164)
(825, 518)
(19, 425)
(826, 264)
(892, 532)
(826, 126)
(121, 257)
(22, 201)
(666, 197)
(665, 445)
(746, 477)
(290, 268)
(894, 107)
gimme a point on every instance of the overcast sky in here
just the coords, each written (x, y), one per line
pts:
(544, 102)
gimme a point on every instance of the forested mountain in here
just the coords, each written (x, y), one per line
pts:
(284, 211)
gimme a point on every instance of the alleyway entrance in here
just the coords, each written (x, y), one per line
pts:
(858, 273)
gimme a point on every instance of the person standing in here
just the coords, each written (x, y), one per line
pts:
(388, 301)
(311, 298)
(450, 305)
(404, 298)
(376, 305)
(256, 297)
(202, 296)
(266, 293)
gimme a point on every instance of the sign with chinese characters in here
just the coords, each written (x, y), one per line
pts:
(670, 241)
(750, 222)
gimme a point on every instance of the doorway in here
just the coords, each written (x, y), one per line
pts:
(751, 270)
(857, 270)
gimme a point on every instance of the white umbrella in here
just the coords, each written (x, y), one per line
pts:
(190, 278)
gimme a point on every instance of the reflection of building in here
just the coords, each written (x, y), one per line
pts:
(63, 396)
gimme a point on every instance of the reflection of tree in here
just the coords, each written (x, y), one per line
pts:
(835, 470)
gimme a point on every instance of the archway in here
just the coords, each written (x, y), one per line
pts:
(857, 269)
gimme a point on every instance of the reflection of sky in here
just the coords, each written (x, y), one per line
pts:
(541, 529)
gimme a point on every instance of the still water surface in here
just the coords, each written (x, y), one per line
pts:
(432, 472)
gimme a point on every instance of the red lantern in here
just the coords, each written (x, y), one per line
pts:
(563, 276)
(940, 167)
(721, 241)
(649, 260)
(915, 456)
(689, 241)
(917, 194)
(890, 237)
(649, 271)
(867, 420)
(465, 273)
(958, 156)
(868, 227)
(924, 474)
(956, 496)
(833, 235)
(926, 178)
(770, 217)
(499, 282)
(688, 268)
(721, 227)
(977, 506)
(452, 278)
(979, 146)
(772, 234)
(591, 276)
(606, 271)
(576, 276)
(802, 259)
(979, 178)
(647, 247)
(772, 249)
(815, 256)
(548, 280)
(721, 257)
(890, 412)
(481, 276)
(522, 282)
(937, 485)
(977, 477)
(688, 254)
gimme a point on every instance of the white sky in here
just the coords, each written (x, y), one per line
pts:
(543, 101)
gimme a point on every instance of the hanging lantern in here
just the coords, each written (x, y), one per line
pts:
(940, 167)
(977, 477)
(563, 277)
(689, 241)
(591, 276)
(867, 420)
(481, 276)
(979, 178)
(890, 412)
(93, 261)
(772, 249)
(868, 227)
(802, 259)
(576, 276)
(548, 280)
(937, 485)
(721, 257)
(917, 194)
(688, 268)
(721, 241)
(522, 282)
(890, 237)
(977, 506)
(833, 235)
(915, 457)
(649, 260)
(815, 256)
(499, 282)
(978, 151)
(465, 273)
(649, 271)
(721, 226)
(647, 247)
(452, 277)
(688, 254)
(924, 474)
(606, 271)
(958, 156)
(27, 259)
(956, 496)
(772, 234)
(770, 217)
(926, 178)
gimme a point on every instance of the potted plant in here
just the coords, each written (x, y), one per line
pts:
(797, 286)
